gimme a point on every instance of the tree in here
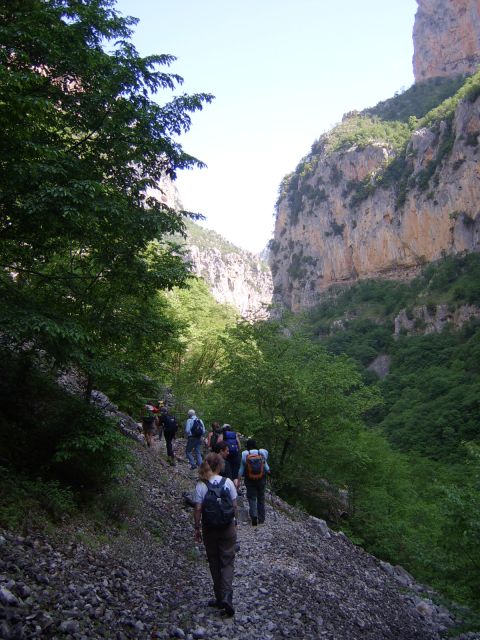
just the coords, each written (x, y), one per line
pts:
(300, 402)
(84, 238)
(199, 352)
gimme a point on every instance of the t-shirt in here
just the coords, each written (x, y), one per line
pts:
(201, 488)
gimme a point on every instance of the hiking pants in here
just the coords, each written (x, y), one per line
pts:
(256, 498)
(194, 444)
(234, 460)
(168, 442)
(220, 548)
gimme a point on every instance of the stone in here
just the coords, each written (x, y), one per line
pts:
(8, 598)
(70, 626)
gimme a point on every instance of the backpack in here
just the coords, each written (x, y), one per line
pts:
(214, 439)
(230, 438)
(169, 425)
(217, 506)
(197, 430)
(254, 466)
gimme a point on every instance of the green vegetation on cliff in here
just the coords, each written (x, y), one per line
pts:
(391, 123)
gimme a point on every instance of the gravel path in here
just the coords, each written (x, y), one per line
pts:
(294, 577)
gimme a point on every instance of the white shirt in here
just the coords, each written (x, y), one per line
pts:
(201, 488)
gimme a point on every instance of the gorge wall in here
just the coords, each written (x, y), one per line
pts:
(446, 38)
(384, 193)
(235, 277)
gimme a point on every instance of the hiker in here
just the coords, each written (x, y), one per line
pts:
(213, 436)
(168, 423)
(222, 449)
(149, 422)
(194, 430)
(216, 509)
(231, 438)
(254, 469)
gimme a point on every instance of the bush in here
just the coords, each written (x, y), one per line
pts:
(57, 437)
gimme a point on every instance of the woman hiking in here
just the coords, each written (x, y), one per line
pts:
(215, 518)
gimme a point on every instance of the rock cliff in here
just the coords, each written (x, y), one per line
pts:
(234, 276)
(446, 38)
(365, 204)
(395, 186)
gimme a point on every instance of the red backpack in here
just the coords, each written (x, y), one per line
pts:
(254, 466)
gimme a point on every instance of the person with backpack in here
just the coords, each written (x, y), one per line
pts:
(215, 520)
(213, 436)
(222, 449)
(149, 422)
(168, 423)
(234, 448)
(254, 469)
(194, 430)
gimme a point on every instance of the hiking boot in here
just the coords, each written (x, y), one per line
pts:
(214, 602)
(227, 604)
(254, 521)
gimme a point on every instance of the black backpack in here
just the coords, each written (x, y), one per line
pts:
(169, 425)
(217, 506)
(197, 430)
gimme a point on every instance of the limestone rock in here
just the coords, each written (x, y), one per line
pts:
(446, 38)
(234, 277)
(323, 238)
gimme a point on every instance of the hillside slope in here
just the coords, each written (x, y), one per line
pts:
(294, 578)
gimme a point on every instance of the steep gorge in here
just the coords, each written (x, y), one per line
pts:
(393, 187)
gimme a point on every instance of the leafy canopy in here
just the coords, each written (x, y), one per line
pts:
(83, 146)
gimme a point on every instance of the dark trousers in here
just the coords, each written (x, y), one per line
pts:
(256, 498)
(168, 442)
(234, 460)
(220, 548)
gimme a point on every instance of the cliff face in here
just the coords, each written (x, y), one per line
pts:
(236, 277)
(343, 216)
(446, 38)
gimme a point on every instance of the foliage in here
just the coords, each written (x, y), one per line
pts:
(418, 100)
(83, 145)
(461, 531)
(24, 501)
(297, 400)
(190, 365)
(435, 383)
(57, 437)
(361, 130)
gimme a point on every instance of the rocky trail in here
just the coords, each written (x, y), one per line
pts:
(294, 578)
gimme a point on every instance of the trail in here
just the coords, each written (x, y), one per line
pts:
(293, 577)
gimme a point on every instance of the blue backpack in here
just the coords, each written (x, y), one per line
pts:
(230, 438)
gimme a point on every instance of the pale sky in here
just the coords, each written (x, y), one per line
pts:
(283, 72)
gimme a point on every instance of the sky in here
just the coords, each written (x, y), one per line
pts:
(282, 72)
